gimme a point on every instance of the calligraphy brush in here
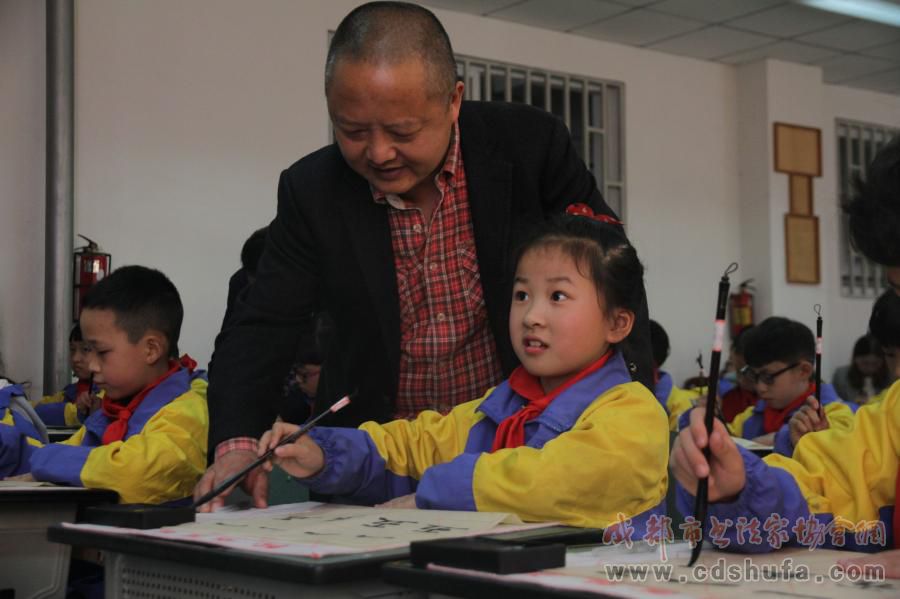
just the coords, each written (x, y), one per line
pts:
(818, 309)
(702, 499)
(262, 459)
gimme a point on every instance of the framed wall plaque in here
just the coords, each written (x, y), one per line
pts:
(801, 248)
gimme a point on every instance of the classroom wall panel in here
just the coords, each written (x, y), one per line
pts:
(22, 126)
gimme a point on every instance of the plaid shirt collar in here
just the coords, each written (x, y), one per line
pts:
(447, 176)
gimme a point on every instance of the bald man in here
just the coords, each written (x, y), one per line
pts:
(402, 230)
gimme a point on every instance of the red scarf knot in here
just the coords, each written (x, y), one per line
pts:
(774, 419)
(119, 413)
(511, 432)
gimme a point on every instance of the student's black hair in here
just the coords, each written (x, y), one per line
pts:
(391, 33)
(778, 339)
(75, 333)
(142, 299)
(253, 249)
(601, 253)
(874, 212)
(884, 324)
(867, 346)
(659, 343)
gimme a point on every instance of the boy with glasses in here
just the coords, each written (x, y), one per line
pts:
(780, 354)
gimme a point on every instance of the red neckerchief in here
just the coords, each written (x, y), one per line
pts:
(736, 401)
(119, 413)
(773, 419)
(511, 432)
(81, 386)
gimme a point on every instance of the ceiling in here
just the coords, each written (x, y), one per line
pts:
(851, 52)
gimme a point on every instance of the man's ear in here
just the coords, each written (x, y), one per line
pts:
(155, 346)
(621, 321)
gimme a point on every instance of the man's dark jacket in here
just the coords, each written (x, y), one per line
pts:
(329, 248)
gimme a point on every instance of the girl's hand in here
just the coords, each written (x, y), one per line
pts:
(301, 459)
(725, 467)
(806, 420)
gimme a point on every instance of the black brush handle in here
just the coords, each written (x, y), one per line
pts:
(702, 500)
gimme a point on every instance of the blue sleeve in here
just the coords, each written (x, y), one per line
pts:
(354, 469)
(448, 486)
(14, 451)
(770, 496)
(52, 414)
(60, 463)
(783, 443)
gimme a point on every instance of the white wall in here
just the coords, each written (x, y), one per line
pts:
(187, 111)
(774, 91)
(22, 125)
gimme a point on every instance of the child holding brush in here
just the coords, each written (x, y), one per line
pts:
(568, 437)
(148, 440)
(78, 400)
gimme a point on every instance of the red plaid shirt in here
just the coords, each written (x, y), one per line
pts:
(447, 350)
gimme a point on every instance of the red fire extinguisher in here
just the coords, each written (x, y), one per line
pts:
(91, 265)
(741, 308)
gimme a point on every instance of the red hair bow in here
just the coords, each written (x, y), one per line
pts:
(585, 210)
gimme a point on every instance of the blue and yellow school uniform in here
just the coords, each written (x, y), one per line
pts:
(160, 459)
(846, 479)
(675, 400)
(17, 433)
(59, 409)
(750, 423)
(598, 450)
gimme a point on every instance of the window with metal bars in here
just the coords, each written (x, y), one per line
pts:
(857, 145)
(592, 109)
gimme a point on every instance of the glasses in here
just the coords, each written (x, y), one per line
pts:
(766, 378)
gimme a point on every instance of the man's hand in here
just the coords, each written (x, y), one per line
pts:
(725, 468)
(404, 502)
(22, 478)
(807, 420)
(256, 483)
(300, 459)
(889, 560)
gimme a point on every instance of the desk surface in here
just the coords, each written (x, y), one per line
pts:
(582, 582)
(307, 570)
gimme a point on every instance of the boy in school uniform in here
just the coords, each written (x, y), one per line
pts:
(780, 355)
(841, 482)
(148, 441)
(675, 400)
(884, 326)
(568, 437)
(847, 479)
(77, 400)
